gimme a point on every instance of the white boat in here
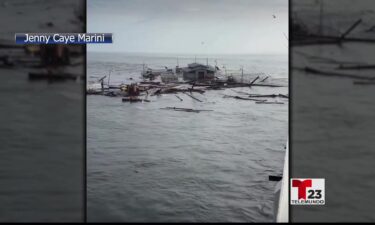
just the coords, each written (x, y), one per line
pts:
(282, 192)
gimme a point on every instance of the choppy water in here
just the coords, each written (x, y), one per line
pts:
(333, 132)
(41, 154)
(148, 164)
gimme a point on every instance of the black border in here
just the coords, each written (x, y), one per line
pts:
(290, 33)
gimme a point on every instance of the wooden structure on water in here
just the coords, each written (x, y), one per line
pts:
(198, 72)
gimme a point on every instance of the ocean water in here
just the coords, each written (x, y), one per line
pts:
(147, 164)
(41, 124)
(333, 119)
(42, 149)
(333, 132)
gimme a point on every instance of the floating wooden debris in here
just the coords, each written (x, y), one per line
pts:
(191, 96)
(110, 94)
(343, 36)
(179, 98)
(314, 39)
(364, 82)
(335, 74)
(219, 85)
(265, 102)
(265, 79)
(252, 82)
(268, 96)
(128, 99)
(243, 98)
(357, 67)
(176, 90)
(54, 77)
(186, 109)
(267, 85)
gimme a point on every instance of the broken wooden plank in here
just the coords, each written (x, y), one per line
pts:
(350, 29)
(321, 40)
(268, 96)
(235, 85)
(364, 82)
(191, 96)
(265, 102)
(356, 67)
(265, 79)
(177, 90)
(241, 92)
(335, 74)
(252, 82)
(242, 98)
(179, 98)
(267, 85)
(127, 99)
(186, 109)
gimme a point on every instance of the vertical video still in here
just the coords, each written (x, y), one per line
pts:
(42, 118)
(187, 111)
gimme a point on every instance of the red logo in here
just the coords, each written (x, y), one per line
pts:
(307, 191)
(302, 185)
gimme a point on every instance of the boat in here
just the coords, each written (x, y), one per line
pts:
(282, 192)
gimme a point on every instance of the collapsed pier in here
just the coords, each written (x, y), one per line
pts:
(191, 80)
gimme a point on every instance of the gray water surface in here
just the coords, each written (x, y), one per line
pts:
(148, 164)
(41, 154)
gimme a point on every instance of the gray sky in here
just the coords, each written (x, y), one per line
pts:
(191, 26)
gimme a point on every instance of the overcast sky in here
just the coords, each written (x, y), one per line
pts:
(191, 26)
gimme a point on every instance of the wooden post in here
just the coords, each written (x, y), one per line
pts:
(350, 29)
(242, 74)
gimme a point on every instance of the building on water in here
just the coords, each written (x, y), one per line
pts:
(198, 72)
